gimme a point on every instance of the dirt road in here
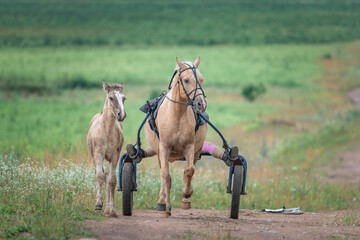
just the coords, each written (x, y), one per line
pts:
(215, 224)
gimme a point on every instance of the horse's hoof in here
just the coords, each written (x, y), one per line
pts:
(160, 207)
(98, 207)
(167, 214)
(185, 205)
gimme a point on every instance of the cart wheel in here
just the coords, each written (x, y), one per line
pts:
(127, 189)
(237, 184)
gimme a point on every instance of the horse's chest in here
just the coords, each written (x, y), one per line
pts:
(179, 136)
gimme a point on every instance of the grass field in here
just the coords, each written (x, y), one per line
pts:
(200, 22)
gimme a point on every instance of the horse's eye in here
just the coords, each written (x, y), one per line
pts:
(186, 80)
(111, 98)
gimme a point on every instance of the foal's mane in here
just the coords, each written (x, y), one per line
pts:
(116, 86)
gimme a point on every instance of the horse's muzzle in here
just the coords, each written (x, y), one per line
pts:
(200, 105)
(121, 116)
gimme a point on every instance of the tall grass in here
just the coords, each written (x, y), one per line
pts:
(47, 203)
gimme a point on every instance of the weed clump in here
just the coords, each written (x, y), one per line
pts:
(253, 91)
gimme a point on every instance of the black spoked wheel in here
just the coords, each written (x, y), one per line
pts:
(236, 190)
(127, 188)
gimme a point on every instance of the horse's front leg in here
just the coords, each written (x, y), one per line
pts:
(100, 178)
(164, 196)
(188, 174)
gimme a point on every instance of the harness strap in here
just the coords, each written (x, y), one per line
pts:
(169, 87)
(186, 104)
(152, 120)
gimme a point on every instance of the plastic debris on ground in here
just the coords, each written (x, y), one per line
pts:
(284, 210)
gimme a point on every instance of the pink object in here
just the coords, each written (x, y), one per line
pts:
(208, 147)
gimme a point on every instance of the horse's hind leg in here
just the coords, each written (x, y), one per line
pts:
(110, 188)
(188, 174)
(100, 178)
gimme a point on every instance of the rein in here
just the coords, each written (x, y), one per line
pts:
(190, 102)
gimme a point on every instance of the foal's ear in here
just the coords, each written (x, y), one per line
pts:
(120, 85)
(105, 86)
(197, 61)
(181, 65)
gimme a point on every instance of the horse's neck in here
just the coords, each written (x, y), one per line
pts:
(107, 118)
(177, 109)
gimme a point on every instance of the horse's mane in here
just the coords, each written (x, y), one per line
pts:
(177, 68)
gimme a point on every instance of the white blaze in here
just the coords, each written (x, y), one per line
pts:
(119, 97)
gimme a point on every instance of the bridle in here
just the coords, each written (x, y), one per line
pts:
(190, 101)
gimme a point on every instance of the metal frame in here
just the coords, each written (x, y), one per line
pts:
(242, 161)
(121, 165)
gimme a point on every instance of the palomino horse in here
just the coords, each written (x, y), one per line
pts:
(176, 125)
(104, 140)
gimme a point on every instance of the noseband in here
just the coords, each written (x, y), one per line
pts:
(190, 101)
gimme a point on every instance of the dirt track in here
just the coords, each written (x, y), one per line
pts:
(215, 224)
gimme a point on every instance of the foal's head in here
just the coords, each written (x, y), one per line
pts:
(190, 81)
(115, 99)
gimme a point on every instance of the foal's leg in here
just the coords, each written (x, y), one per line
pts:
(188, 174)
(164, 196)
(100, 178)
(110, 188)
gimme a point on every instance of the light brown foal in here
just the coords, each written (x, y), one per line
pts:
(176, 124)
(104, 140)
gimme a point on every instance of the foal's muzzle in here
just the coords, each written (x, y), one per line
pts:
(121, 116)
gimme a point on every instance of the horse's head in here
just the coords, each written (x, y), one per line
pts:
(115, 99)
(190, 80)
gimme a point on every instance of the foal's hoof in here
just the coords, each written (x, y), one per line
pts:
(110, 213)
(185, 205)
(114, 215)
(161, 207)
(98, 207)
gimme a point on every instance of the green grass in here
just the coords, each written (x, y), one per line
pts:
(200, 22)
(52, 69)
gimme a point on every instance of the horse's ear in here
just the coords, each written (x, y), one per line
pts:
(105, 86)
(197, 61)
(181, 65)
